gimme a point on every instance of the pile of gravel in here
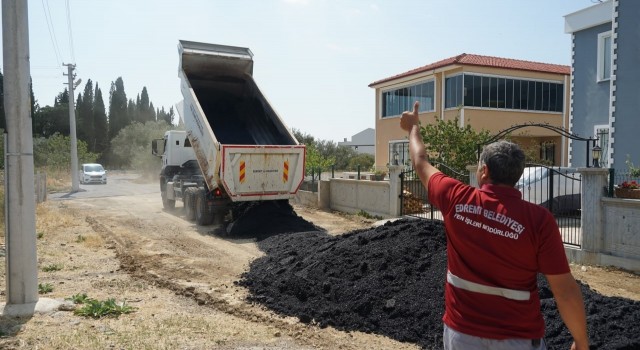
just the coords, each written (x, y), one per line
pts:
(390, 281)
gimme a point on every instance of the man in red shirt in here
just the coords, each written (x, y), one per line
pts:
(497, 243)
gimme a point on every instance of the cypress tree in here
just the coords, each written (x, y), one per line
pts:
(118, 117)
(100, 142)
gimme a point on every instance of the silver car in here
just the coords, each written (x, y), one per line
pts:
(92, 173)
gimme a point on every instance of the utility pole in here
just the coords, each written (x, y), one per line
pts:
(20, 234)
(75, 187)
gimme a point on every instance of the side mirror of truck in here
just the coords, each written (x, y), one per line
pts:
(157, 147)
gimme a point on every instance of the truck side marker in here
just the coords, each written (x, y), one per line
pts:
(285, 172)
(242, 177)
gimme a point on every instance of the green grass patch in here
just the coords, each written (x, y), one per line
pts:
(81, 239)
(79, 298)
(106, 308)
(44, 288)
(366, 215)
(52, 267)
(40, 234)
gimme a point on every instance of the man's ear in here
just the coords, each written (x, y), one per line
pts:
(485, 176)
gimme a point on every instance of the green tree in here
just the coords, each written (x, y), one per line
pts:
(364, 160)
(166, 116)
(448, 143)
(84, 115)
(118, 116)
(54, 152)
(100, 141)
(316, 162)
(132, 146)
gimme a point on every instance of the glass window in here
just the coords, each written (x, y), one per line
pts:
(493, 93)
(477, 91)
(453, 91)
(504, 93)
(604, 56)
(553, 97)
(502, 85)
(559, 98)
(394, 102)
(531, 100)
(524, 94)
(516, 94)
(509, 91)
(468, 90)
(486, 87)
(539, 96)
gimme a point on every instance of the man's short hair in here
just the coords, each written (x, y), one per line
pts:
(505, 161)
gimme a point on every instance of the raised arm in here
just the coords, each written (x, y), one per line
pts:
(409, 122)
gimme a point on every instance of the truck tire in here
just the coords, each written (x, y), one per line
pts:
(168, 204)
(190, 203)
(203, 213)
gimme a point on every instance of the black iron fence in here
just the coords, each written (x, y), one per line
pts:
(555, 188)
(618, 179)
(414, 199)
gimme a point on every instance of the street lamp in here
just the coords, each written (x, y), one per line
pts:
(596, 152)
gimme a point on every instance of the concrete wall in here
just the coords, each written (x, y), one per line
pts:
(351, 196)
(609, 226)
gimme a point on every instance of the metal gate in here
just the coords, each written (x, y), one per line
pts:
(414, 200)
(558, 189)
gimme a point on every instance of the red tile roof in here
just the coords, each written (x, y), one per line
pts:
(484, 61)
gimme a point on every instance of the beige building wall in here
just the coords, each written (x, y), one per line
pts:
(493, 120)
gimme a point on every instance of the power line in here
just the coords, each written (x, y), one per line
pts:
(52, 33)
(73, 55)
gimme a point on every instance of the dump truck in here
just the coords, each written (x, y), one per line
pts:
(235, 147)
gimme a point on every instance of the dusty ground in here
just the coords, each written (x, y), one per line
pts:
(180, 277)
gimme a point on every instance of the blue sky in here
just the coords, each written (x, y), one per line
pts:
(314, 59)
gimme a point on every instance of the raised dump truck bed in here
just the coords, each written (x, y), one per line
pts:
(241, 146)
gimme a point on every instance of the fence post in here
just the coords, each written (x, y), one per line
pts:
(333, 169)
(395, 190)
(594, 183)
(358, 172)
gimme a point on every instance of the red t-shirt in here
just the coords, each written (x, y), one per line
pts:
(494, 238)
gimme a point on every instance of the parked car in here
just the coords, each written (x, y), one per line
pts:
(555, 188)
(92, 173)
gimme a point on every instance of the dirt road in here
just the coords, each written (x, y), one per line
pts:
(180, 277)
(161, 249)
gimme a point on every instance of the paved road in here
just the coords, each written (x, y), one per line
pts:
(118, 184)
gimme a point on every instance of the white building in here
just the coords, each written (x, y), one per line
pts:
(362, 142)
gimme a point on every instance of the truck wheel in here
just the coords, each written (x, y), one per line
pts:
(168, 204)
(204, 214)
(190, 203)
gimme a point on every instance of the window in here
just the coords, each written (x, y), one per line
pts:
(602, 133)
(604, 56)
(548, 152)
(453, 91)
(402, 149)
(394, 102)
(505, 93)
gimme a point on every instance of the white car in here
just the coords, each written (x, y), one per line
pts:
(92, 173)
(564, 184)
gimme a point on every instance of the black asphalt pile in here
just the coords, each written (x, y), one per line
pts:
(390, 281)
(262, 219)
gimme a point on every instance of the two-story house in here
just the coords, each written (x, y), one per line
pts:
(605, 84)
(485, 92)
